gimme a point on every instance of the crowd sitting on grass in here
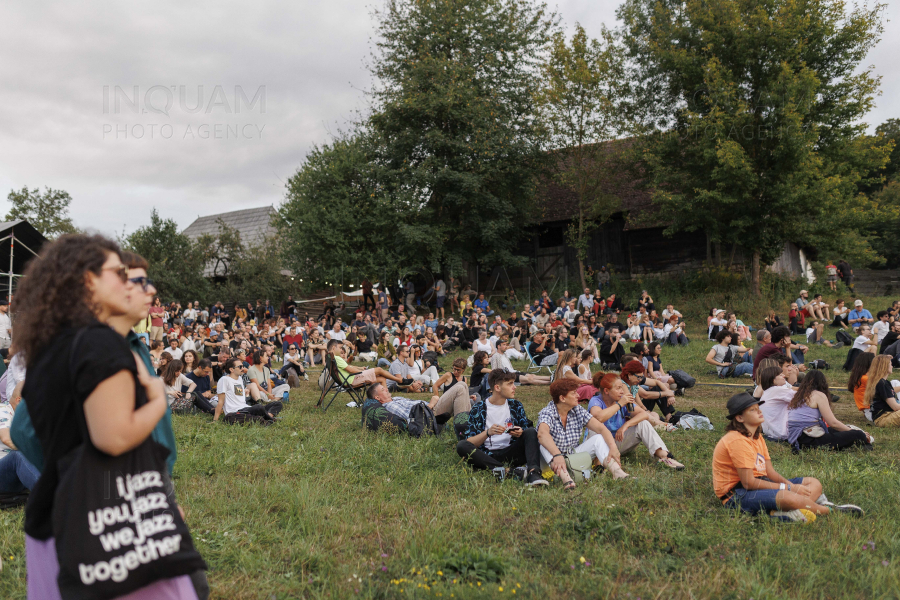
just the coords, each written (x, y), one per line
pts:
(217, 360)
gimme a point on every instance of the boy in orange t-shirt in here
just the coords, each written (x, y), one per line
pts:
(744, 478)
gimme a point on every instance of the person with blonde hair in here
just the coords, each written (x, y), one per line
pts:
(585, 341)
(881, 394)
(566, 367)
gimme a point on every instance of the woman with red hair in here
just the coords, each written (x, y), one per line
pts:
(641, 388)
(629, 424)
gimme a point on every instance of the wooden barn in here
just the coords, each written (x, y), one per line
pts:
(631, 243)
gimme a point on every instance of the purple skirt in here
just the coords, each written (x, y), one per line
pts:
(43, 569)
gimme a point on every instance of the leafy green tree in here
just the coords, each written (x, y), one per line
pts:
(453, 121)
(884, 228)
(176, 263)
(582, 104)
(889, 134)
(336, 214)
(758, 108)
(47, 212)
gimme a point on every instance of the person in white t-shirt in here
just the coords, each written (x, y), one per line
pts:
(500, 360)
(864, 342)
(669, 311)
(5, 325)
(232, 392)
(499, 433)
(814, 335)
(174, 351)
(776, 397)
(840, 315)
(881, 326)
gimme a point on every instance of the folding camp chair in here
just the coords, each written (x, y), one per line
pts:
(337, 383)
(533, 367)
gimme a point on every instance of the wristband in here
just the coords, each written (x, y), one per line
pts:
(781, 486)
(555, 455)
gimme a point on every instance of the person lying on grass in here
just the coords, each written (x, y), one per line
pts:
(649, 393)
(744, 477)
(811, 422)
(499, 433)
(629, 424)
(560, 427)
(455, 400)
(501, 361)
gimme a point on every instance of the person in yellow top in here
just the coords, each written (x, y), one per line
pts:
(356, 376)
(744, 478)
(464, 303)
(142, 329)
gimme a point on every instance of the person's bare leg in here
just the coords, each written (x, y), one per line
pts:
(381, 373)
(655, 419)
(254, 392)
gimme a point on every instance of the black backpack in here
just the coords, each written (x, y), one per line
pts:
(422, 421)
(843, 336)
(683, 380)
(819, 363)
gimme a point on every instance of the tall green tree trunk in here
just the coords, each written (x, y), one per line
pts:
(754, 274)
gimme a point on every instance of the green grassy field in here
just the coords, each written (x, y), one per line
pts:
(316, 507)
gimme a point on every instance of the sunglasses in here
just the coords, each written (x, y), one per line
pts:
(120, 270)
(143, 282)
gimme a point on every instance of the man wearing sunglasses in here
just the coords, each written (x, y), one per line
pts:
(232, 392)
(293, 366)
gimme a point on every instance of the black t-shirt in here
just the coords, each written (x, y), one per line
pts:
(532, 347)
(607, 354)
(889, 339)
(883, 391)
(59, 381)
(363, 345)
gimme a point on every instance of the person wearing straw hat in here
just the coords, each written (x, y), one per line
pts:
(744, 477)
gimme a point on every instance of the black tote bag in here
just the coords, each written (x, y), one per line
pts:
(116, 527)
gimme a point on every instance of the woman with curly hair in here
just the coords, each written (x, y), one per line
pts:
(81, 370)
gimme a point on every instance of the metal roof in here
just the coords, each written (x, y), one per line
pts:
(254, 224)
(26, 235)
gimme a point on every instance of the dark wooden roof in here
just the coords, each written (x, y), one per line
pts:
(254, 224)
(556, 203)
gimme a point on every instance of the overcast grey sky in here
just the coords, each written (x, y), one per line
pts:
(276, 77)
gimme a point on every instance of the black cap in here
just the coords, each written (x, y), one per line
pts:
(4, 303)
(741, 402)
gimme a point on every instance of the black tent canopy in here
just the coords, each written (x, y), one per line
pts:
(19, 243)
